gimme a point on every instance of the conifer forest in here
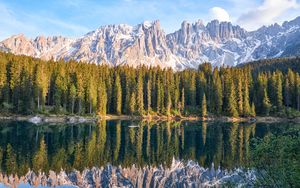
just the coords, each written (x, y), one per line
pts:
(29, 86)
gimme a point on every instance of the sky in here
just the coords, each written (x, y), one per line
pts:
(74, 18)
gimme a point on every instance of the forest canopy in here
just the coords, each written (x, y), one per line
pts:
(29, 86)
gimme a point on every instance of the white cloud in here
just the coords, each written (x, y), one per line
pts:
(218, 13)
(267, 13)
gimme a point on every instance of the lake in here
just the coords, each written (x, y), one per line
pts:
(226, 146)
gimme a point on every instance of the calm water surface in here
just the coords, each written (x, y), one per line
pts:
(125, 143)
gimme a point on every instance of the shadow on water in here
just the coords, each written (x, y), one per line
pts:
(55, 147)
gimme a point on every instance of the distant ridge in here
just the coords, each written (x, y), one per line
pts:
(220, 43)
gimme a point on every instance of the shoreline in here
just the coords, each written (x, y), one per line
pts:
(40, 118)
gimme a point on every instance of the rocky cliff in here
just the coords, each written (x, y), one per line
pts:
(220, 43)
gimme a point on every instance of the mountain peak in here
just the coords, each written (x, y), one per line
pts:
(147, 24)
(220, 43)
(292, 23)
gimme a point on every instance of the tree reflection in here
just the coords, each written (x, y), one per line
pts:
(40, 158)
(121, 143)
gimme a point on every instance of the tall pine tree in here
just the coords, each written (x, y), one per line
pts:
(117, 99)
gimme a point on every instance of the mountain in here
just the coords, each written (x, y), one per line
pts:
(220, 43)
(179, 174)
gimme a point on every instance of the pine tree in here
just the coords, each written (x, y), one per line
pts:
(26, 100)
(132, 103)
(232, 104)
(14, 69)
(110, 95)
(203, 106)
(72, 95)
(279, 92)
(182, 102)
(287, 92)
(176, 92)
(117, 95)
(127, 93)
(92, 95)
(240, 96)
(149, 96)
(217, 94)
(60, 89)
(169, 104)
(192, 90)
(3, 81)
(246, 103)
(291, 89)
(253, 112)
(40, 85)
(80, 91)
(159, 96)
(140, 95)
(102, 99)
(266, 103)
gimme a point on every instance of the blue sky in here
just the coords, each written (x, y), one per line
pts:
(74, 18)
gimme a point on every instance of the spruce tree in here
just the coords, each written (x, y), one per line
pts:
(232, 103)
(287, 92)
(203, 106)
(266, 103)
(117, 95)
(169, 104)
(149, 96)
(14, 71)
(246, 103)
(40, 85)
(158, 96)
(253, 111)
(217, 93)
(3, 80)
(110, 94)
(240, 96)
(80, 91)
(140, 95)
(72, 95)
(279, 92)
(102, 99)
(182, 102)
(92, 95)
(132, 103)
(192, 90)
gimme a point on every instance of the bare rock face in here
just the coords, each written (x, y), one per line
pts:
(195, 43)
(19, 44)
(41, 47)
(220, 43)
